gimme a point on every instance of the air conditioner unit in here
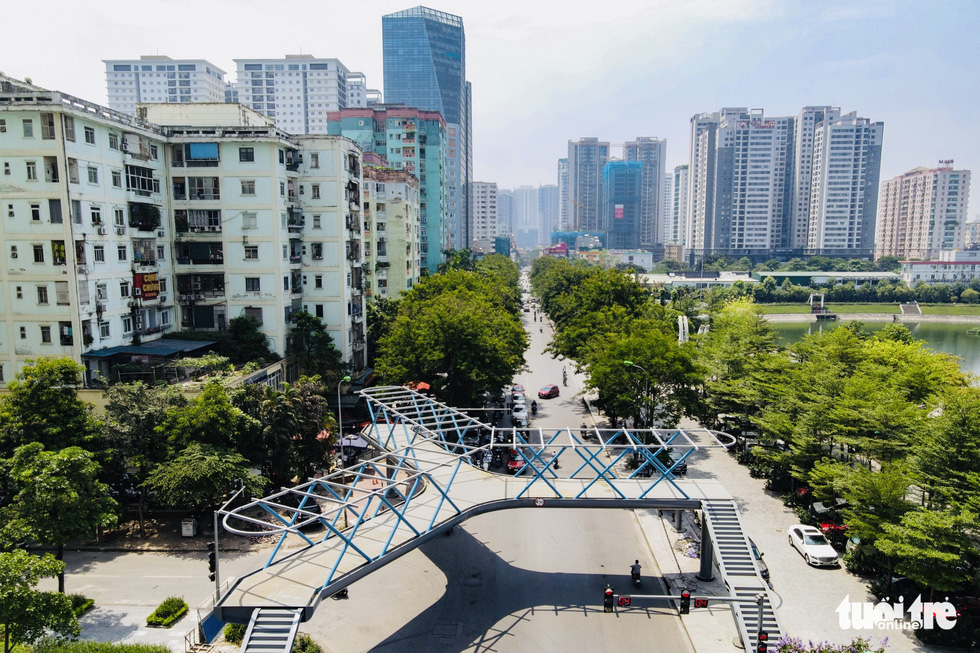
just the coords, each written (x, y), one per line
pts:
(124, 146)
(198, 296)
(185, 298)
(160, 233)
(120, 231)
(102, 231)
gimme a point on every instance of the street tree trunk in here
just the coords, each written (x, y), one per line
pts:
(60, 556)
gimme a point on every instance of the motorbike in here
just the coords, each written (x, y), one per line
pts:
(534, 408)
(635, 573)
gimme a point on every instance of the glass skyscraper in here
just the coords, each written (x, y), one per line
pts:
(425, 67)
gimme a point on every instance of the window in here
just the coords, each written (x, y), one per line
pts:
(118, 217)
(246, 154)
(39, 253)
(315, 191)
(101, 292)
(96, 211)
(46, 335)
(127, 324)
(254, 313)
(252, 284)
(117, 179)
(318, 281)
(103, 330)
(154, 152)
(121, 253)
(160, 253)
(13, 251)
(61, 292)
(90, 135)
(282, 156)
(69, 129)
(113, 141)
(316, 222)
(285, 283)
(28, 128)
(98, 254)
(23, 333)
(42, 294)
(251, 252)
(3, 126)
(250, 220)
(248, 187)
(282, 188)
(163, 285)
(314, 160)
(124, 289)
(6, 167)
(31, 171)
(93, 175)
(36, 212)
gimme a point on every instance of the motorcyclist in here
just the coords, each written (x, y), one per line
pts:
(534, 407)
(635, 570)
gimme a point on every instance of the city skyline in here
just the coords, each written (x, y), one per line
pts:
(649, 66)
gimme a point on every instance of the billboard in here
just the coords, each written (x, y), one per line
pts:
(618, 212)
(146, 285)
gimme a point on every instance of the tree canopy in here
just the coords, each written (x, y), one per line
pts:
(27, 614)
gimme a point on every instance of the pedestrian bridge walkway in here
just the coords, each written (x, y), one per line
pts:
(431, 474)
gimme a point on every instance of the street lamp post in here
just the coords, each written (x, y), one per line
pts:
(646, 385)
(340, 421)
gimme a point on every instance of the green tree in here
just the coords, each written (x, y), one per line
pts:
(27, 614)
(458, 341)
(457, 259)
(246, 342)
(200, 475)
(381, 313)
(293, 420)
(970, 296)
(59, 497)
(876, 499)
(133, 414)
(313, 347)
(930, 547)
(209, 419)
(43, 406)
(947, 457)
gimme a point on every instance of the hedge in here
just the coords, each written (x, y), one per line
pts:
(168, 612)
(80, 604)
(82, 646)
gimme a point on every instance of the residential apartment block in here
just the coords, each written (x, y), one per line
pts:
(120, 229)
(922, 213)
(158, 78)
(547, 212)
(586, 159)
(392, 231)
(483, 196)
(563, 194)
(622, 204)
(414, 141)
(677, 225)
(652, 153)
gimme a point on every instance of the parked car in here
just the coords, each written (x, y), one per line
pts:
(763, 567)
(813, 546)
(549, 391)
(517, 389)
(520, 411)
(515, 461)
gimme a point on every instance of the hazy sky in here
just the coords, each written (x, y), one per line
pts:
(547, 72)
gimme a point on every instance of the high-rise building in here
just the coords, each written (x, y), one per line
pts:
(180, 220)
(505, 212)
(652, 153)
(358, 93)
(586, 159)
(526, 216)
(547, 212)
(677, 228)
(622, 204)
(667, 207)
(562, 194)
(844, 187)
(298, 91)
(158, 78)
(806, 125)
(410, 140)
(425, 67)
(922, 213)
(483, 195)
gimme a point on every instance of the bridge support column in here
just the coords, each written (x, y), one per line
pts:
(678, 520)
(707, 554)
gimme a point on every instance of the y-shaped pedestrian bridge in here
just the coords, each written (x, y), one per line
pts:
(434, 473)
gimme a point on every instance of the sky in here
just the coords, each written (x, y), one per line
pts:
(546, 72)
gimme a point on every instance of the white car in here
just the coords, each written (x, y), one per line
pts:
(813, 546)
(520, 412)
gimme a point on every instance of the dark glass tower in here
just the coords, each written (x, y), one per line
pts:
(425, 67)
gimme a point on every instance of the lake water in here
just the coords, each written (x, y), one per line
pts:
(939, 336)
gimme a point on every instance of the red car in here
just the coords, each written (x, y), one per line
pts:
(548, 391)
(515, 461)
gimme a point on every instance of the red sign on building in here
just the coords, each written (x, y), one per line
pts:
(618, 212)
(146, 285)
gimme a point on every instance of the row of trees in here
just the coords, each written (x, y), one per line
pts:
(877, 420)
(768, 291)
(811, 264)
(459, 330)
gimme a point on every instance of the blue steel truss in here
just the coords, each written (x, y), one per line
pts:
(429, 470)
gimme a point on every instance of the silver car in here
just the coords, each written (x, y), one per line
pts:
(813, 546)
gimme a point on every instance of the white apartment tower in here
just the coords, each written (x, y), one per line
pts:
(483, 199)
(563, 223)
(297, 91)
(667, 204)
(678, 200)
(586, 159)
(652, 153)
(806, 124)
(547, 212)
(392, 232)
(844, 187)
(358, 93)
(158, 79)
(922, 213)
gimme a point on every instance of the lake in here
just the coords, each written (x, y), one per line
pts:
(939, 336)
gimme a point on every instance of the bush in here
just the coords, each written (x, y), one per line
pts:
(861, 561)
(81, 646)
(235, 633)
(305, 644)
(168, 612)
(80, 604)
(795, 645)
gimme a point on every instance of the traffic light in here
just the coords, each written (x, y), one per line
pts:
(685, 601)
(212, 560)
(607, 599)
(763, 646)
